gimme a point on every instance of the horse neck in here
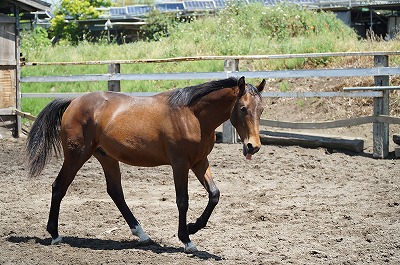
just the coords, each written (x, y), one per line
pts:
(215, 108)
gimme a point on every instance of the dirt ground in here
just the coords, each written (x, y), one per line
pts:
(289, 205)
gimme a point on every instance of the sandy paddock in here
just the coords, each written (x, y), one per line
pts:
(289, 205)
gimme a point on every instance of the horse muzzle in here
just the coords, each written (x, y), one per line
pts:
(249, 150)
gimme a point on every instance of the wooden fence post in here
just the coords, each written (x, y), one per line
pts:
(381, 107)
(18, 122)
(114, 85)
(229, 134)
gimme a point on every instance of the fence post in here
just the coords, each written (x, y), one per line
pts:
(114, 85)
(381, 107)
(229, 134)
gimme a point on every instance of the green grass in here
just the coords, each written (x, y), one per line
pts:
(284, 86)
(248, 30)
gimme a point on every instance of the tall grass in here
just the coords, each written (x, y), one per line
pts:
(238, 30)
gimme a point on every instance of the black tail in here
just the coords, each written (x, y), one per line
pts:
(44, 136)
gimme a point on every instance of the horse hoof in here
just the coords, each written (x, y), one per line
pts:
(190, 248)
(145, 242)
(56, 241)
(143, 237)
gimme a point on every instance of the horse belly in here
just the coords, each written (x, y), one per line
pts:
(135, 149)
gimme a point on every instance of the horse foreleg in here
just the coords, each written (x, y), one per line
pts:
(182, 201)
(203, 174)
(114, 190)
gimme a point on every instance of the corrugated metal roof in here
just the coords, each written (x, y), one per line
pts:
(7, 6)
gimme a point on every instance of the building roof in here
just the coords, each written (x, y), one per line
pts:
(7, 6)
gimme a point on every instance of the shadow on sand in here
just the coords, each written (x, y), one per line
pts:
(103, 244)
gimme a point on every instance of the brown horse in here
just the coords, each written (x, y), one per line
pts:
(174, 128)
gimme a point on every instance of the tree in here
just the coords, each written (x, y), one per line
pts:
(64, 24)
(158, 25)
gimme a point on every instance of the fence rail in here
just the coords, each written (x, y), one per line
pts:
(217, 75)
(331, 124)
(380, 92)
(223, 58)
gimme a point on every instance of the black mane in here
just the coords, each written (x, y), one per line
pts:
(185, 96)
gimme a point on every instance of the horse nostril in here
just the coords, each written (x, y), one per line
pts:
(250, 148)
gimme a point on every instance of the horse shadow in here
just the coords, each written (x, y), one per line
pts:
(104, 244)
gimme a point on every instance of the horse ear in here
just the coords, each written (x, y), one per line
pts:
(242, 86)
(261, 85)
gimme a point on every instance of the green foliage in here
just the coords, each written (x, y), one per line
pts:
(64, 24)
(301, 103)
(232, 31)
(158, 25)
(256, 29)
(34, 41)
(284, 86)
(287, 21)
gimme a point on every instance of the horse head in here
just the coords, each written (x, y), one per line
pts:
(245, 116)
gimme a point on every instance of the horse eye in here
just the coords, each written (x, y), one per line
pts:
(243, 109)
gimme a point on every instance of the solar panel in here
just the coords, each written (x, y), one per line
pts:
(138, 10)
(170, 7)
(220, 4)
(199, 5)
(270, 2)
(235, 2)
(117, 11)
(256, 1)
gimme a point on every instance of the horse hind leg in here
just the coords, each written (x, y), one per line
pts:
(72, 163)
(114, 189)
